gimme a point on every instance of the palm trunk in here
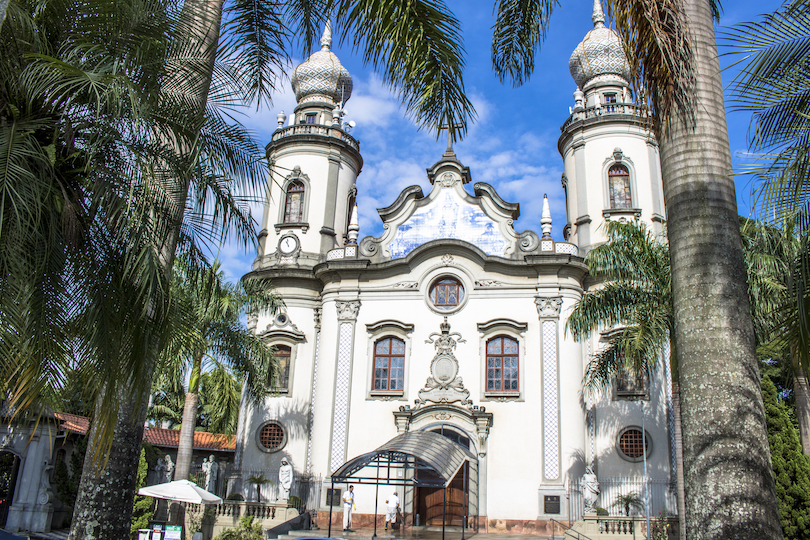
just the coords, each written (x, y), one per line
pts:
(730, 492)
(185, 447)
(802, 394)
(104, 507)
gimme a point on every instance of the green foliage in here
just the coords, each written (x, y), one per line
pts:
(67, 477)
(628, 502)
(259, 480)
(659, 527)
(601, 511)
(142, 508)
(247, 530)
(791, 466)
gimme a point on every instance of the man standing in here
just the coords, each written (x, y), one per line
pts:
(391, 511)
(348, 505)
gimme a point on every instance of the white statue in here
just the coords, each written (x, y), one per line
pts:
(285, 478)
(590, 489)
(210, 468)
(169, 468)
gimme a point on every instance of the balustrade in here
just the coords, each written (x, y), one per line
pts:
(317, 129)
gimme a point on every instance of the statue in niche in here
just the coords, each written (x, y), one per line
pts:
(285, 478)
(590, 489)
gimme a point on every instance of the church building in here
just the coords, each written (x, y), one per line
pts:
(451, 321)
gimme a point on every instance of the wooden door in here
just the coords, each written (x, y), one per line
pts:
(431, 502)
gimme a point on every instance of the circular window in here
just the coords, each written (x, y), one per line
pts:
(446, 294)
(631, 444)
(271, 436)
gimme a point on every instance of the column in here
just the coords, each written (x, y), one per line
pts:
(347, 318)
(548, 310)
(317, 313)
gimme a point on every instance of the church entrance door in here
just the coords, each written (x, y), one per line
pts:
(430, 501)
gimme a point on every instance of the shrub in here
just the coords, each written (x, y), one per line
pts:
(247, 530)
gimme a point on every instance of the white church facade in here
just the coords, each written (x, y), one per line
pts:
(451, 321)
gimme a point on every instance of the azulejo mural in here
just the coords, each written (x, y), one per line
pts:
(448, 217)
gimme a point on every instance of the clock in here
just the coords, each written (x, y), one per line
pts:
(288, 244)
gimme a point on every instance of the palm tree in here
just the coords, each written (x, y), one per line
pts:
(258, 480)
(204, 327)
(671, 48)
(636, 297)
(776, 257)
(628, 502)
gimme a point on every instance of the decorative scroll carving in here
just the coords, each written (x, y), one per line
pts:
(447, 259)
(548, 307)
(406, 285)
(487, 283)
(347, 311)
(317, 312)
(444, 385)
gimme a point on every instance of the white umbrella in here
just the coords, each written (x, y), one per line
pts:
(180, 490)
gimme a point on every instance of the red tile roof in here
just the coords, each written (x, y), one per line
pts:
(73, 422)
(157, 436)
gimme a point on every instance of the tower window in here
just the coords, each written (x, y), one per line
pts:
(502, 365)
(610, 102)
(619, 182)
(310, 119)
(294, 206)
(282, 382)
(389, 365)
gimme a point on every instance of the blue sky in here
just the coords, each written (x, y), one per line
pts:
(512, 146)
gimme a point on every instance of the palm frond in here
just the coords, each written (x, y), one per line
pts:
(518, 34)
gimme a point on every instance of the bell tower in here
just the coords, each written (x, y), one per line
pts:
(611, 161)
(314, 163)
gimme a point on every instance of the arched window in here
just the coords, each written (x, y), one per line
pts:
(619, 183)
(446, 293)
(389, 365)
(502, 365)
(294, 205)
(283, 354)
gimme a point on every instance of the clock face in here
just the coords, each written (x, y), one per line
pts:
(288, 244)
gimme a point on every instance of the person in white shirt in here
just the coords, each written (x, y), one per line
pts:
(391, 511)
(348, 505)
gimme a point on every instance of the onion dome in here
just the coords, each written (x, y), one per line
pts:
(322, 76)
(600, 53)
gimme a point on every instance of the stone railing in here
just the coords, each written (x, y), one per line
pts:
(317, 129)
(217, 518)
(620, 527)
(607, 111)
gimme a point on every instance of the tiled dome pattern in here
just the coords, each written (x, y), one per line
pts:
(600, 53)
(322, 74)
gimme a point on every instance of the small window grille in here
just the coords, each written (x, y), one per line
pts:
(630, 443)
(272, 436)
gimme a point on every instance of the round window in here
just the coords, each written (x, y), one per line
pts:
(631, 443)
(271, 436)
(446, 294)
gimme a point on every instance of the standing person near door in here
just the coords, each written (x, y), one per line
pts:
(348, 505)
(391, 510)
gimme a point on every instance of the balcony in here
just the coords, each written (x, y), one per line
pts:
(318, 130)
(607, 112)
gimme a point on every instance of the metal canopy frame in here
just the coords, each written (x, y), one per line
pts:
(434, 457)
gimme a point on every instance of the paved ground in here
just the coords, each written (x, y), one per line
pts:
(420, 533)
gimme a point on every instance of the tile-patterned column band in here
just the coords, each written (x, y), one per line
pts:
(347, 316)
(548, 309)
(317, 314)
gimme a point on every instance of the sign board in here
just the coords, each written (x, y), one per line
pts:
(551, 504)
(333, 496)
(173, 532)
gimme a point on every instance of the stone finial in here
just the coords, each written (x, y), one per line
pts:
(598, 16)
(326, 38)
(281, 118)
(354, 227)
(545, 220)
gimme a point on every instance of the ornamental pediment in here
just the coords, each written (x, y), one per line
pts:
(449, 212)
